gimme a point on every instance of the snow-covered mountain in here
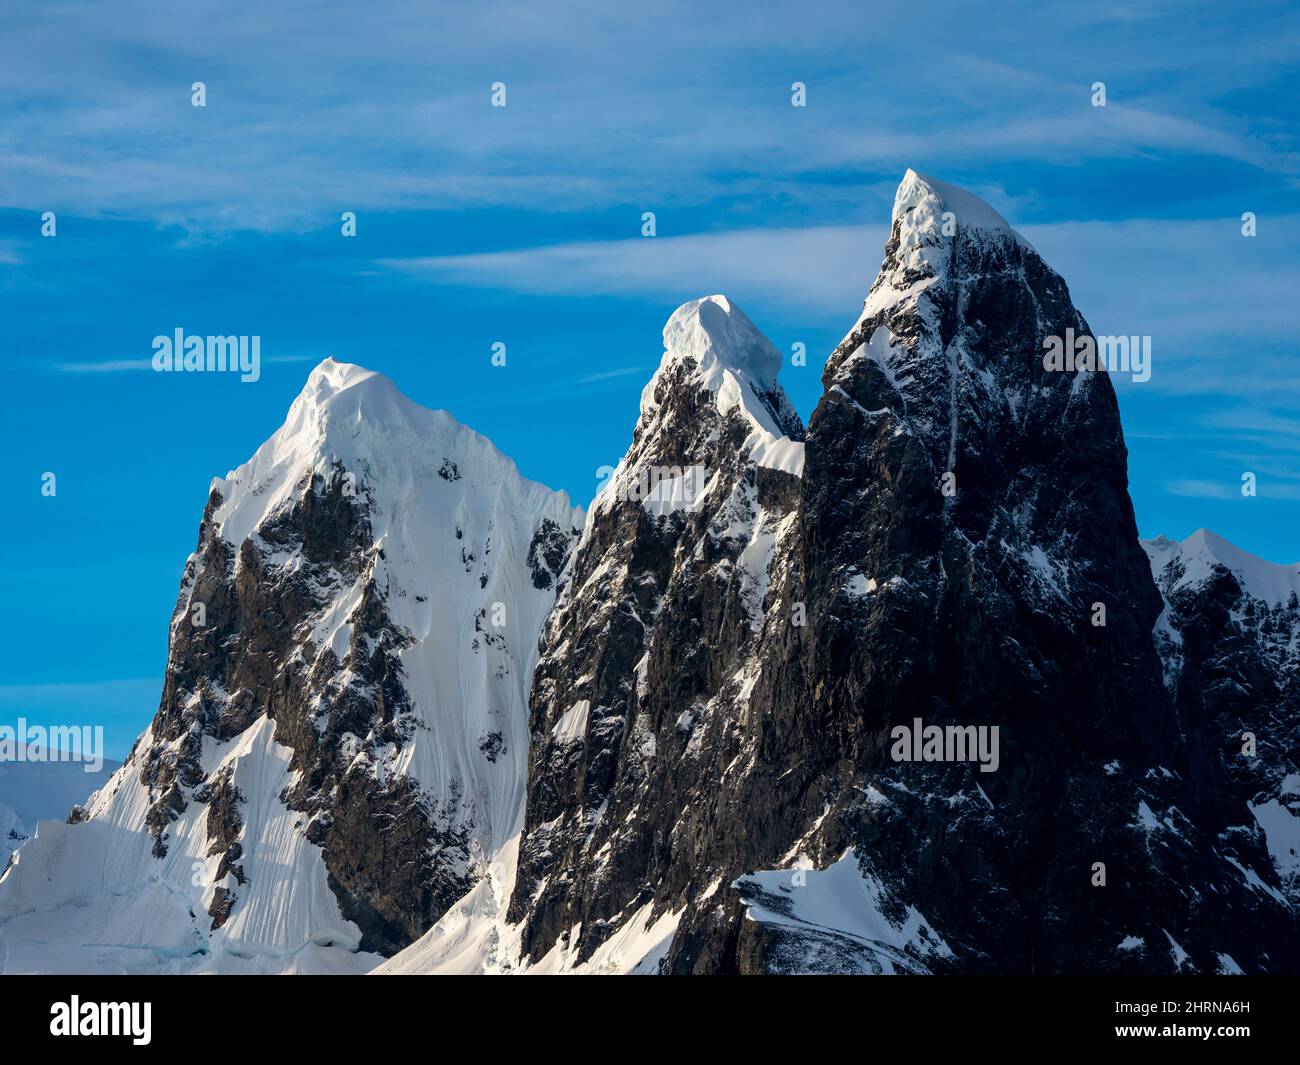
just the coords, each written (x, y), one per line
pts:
(641, 661)
(1229, 638)
(421, 715)
(342, 737)
(715, 784)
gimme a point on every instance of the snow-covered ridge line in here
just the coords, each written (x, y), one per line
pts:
(926, 199)
(1201, 552)
(933, 220)
(734, 359)
(343, 415)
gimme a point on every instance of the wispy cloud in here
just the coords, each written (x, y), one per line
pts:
(106, 366)
(1219, 307)
(664, 114)
(607, 375)
(1203, 489)
(825, 268)
(133, 365)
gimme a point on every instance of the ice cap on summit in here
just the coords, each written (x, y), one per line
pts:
(719, 336)
(935, 197)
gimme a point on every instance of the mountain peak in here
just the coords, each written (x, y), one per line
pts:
(330, 381)
(926, 199)
(1201, 552)
(712, 342)
(719, 336)
(350, 417)
(336, 376)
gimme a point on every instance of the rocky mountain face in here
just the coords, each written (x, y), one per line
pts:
(645, 652)
(342, 738)
(1230, 640)
(956, 550)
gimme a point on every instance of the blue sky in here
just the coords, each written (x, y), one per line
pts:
(522, 225)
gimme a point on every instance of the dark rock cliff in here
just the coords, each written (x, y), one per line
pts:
(960, 549)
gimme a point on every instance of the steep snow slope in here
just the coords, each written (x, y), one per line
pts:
(710, 345)
(342, 737)
(1194, 561)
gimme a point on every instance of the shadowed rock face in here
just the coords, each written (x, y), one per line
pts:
(981, 614)
(962, 512)
(748, 616)
(1232, 665)
(630, 695)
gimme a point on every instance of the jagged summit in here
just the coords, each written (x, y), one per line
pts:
(677, 555)
(403, 689)
(332, 374)
(342, 736)
(355, 418)
(950, 335)
(716, 367)
(940, 234)
(338, 392)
